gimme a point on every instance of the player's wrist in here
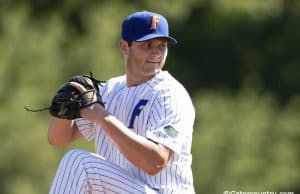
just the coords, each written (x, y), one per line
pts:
(94, 112)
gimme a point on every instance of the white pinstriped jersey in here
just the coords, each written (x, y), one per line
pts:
(159, 109)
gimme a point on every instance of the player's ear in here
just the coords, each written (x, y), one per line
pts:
(124, 47)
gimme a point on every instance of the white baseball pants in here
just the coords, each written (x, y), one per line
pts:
(82, 172)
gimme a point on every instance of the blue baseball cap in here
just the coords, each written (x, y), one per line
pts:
(144, 25)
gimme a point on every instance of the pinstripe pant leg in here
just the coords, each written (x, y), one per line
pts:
(84, 172)
(70, 176)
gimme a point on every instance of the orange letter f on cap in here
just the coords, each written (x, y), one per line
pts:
(155, 20)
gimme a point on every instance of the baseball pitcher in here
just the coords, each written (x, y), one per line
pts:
(141, 122)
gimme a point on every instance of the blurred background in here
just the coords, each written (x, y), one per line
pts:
(238, 59)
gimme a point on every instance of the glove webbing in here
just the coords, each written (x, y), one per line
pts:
(95, 84)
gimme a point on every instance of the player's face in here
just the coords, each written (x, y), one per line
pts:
(145, 59)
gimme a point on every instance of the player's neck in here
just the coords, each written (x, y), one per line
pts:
(135, 81)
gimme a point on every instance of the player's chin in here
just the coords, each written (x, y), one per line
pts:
(151, 72)
(152, 68)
